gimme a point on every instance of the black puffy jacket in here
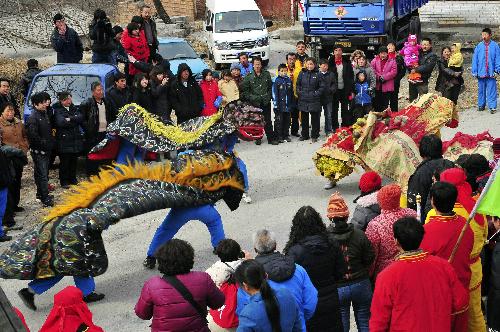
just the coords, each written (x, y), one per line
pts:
(102, 35)
(323, 261)
(6, 171)
(69, 47)
(426, 63)
(91, 112)
(277, 266)
(118, 98)
(39, 131)
(310, 89)
(70, 135)
(160, 103)
(187, 101)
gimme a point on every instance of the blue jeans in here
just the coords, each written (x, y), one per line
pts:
(85, 284)
(360, 294)
(177, 218)
(103, 58)
(4, 193)
(487, 92)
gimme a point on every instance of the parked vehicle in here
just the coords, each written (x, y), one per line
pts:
(359, 24)
(234, 27)
(177, 51)
(75, 78)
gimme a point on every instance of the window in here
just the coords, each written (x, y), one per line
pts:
(180, 50)
(239, 21)
(78, 85)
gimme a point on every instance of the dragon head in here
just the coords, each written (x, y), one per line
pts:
(248, 120)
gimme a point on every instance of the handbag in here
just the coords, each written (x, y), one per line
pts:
(186, 294)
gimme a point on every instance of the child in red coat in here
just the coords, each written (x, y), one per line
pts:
(212, 97)
(135, 44)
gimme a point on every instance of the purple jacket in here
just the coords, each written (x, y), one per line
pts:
(389, 73)
(169, 310)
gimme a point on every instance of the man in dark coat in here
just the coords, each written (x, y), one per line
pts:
(327, 98)
(7, 97)
(41, 142)
(119, 94)
(342, 68)
(185, 95)
(420, 182)
(66, 42)
(427, 60)
(257, 89)
(101, 33)
(28, 76)
(98, 114)
(5, 180)
(70, 137)
(149, 29)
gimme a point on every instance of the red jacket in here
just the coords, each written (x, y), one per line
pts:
(170, 312)
(388, 72)
(441, 234)
(418, 292)
(210, 91)
(137, 47)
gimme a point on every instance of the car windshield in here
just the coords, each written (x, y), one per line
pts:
(78, 85)
(239, 21)
(177, 50)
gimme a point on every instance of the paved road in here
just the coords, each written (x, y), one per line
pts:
(282, 179)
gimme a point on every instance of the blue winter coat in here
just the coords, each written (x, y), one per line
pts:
(254, 317)
(479, 60)
(362, 96)
(297, 282)
(283, 94)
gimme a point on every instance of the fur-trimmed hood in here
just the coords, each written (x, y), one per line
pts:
(220, 272)
(368, 200)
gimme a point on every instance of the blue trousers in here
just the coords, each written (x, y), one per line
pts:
(177, 218)
(4, 193)
(85, 284)
(487, 92)
(360, 294)
(129, 153)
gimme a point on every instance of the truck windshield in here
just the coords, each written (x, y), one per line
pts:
(78, 85)
(244, 20)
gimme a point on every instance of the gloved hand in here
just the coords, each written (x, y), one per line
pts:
(218, 101)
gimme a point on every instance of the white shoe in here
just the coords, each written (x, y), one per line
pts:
(329, 185)
(247, 198)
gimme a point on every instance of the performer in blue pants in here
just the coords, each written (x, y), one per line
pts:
(177, 218)
(40, 286)
(4, 193)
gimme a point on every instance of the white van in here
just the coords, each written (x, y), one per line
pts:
(233, 27)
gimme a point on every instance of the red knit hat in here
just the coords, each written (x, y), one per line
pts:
(370, 181)
(389, 197)
(337, 207)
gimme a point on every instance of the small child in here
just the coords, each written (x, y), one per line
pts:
(228, 88)
(411, 52)
(363, 98)
(330, 81)
(211, 94)
(282, 98)
(236, 73)
(456, 60)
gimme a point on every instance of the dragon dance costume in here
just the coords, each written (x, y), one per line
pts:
(389, 144)
(69, 243)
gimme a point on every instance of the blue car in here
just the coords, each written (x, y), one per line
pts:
(177, 51)
(75, 78)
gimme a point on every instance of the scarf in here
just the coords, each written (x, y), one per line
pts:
(338, 62)
(69, 313)
(391, 55)
(458, 178)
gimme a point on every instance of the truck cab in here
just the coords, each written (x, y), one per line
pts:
(234, 27)
(75, 78)
(358, 24)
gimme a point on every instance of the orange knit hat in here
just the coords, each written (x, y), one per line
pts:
(337, 207)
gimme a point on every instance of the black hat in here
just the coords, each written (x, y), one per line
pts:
(32, 63)
(57, 17)
(117, 29)
(383, 49)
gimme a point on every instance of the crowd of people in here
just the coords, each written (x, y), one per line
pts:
(389, 260)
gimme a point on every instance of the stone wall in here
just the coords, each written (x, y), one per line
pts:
(127, 9)
(462, 12)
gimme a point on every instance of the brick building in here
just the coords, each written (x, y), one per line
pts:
(462, 12)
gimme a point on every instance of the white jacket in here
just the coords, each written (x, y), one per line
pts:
(220, 272)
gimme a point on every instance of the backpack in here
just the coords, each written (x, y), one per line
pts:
(226, 316)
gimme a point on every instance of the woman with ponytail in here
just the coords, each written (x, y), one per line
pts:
(268, 309)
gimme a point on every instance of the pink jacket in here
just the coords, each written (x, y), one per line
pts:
(389, 72)
(410, 53)
(170, 312)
